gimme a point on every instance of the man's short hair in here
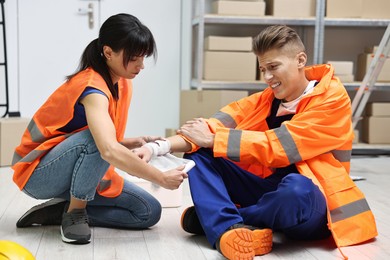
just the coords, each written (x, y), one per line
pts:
(277, 37)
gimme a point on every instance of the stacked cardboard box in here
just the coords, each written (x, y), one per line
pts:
(364, 61)
(376, 123)
(343, 70)
(229, 58)
(244, 8)
(205, 103)
(288, 8)
(11, 131)
(374, 9)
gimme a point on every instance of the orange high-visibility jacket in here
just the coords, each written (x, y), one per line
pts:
(42, 132)
(318, 140)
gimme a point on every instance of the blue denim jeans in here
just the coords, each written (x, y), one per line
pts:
(74, 168)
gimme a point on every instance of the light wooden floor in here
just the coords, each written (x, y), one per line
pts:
(166, 240)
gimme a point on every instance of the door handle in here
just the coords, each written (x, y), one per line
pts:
(88, 11)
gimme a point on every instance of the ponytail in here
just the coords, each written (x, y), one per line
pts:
(93, 57)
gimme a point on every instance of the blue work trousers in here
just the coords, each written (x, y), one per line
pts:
(224, 194)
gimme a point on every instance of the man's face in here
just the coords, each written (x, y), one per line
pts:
(283, 72)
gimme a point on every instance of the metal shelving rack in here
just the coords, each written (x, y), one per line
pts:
(4, 63)
(200, 20)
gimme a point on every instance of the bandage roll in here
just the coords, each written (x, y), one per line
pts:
(159, 147)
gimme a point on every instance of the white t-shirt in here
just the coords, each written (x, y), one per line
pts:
(286, 108)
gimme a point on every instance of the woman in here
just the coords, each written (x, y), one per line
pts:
(75, 139)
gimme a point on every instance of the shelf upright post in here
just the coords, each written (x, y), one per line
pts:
(319, 31)
(200, 41)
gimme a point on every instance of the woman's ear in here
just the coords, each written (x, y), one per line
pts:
(107, 52)
(302, 59)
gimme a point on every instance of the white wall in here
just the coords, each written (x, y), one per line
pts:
(155, 104)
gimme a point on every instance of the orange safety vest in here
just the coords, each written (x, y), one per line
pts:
(318, 140)
(42, 132)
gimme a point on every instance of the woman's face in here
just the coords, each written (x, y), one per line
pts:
(118, 69)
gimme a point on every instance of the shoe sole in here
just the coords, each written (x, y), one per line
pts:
(28, 218)
(245, 244)
(182, 218)
(185, 212)
(184, 226)
(74, 241)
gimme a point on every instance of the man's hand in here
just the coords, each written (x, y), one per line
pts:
(197, 130)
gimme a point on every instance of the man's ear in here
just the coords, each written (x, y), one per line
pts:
(302, 59)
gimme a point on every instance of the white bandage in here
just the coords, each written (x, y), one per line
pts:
(159, 147)
(164, 147)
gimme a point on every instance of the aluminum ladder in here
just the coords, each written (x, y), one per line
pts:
(368, 84)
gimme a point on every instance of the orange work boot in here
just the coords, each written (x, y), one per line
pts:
(242, 242)
(190, 222)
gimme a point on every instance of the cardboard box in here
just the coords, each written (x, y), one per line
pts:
(376, 130)
(373, 9)
(222, 43)
(378, 109)
(344, 8)
(356, 136)
(234, 66)
(245, 8)
(205, 103)
(11, 131)
(346, 78)
(288, 8)
(371, 49)
(342, 67)
(364, 61)
(376, 9)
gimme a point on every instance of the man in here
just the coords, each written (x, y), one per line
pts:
(276, 160)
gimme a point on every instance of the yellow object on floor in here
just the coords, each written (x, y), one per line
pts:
(13, 251)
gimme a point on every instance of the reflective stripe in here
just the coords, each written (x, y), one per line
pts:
(342, 155)
(16, 158)
(104, 184)
(233, 145)
(225, 119)
(288, 144)
(349, 210)
(33, 155)
(36, 135)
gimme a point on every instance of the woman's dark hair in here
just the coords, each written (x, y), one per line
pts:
(119, 32)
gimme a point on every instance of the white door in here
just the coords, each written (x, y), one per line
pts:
(156, 95)
(52, 36)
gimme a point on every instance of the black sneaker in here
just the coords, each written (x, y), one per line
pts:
(244, 242)
(190, 222)
(75, 228)
(47, 213)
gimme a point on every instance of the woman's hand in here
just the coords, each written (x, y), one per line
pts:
(172, 179)
(144, 153)
(135, 142)
(197, 130)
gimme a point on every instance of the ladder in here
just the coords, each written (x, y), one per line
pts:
(367, 85)
(4, 63)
